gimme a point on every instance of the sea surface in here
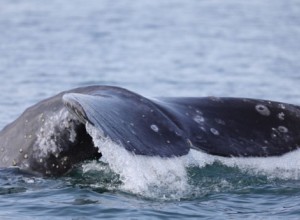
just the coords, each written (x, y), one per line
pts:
(156, 48)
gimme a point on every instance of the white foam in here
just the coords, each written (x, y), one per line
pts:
(141, 174)
(157, 177)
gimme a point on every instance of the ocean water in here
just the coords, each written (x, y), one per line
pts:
(155, 48)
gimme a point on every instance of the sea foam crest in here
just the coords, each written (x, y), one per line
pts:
(283, 167)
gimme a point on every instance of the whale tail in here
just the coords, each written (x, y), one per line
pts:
(131, 120)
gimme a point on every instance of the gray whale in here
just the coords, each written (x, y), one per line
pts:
(50, 137)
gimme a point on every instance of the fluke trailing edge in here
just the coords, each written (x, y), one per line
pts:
(50, 137)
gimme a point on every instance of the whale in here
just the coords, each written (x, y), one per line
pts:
(50, 137)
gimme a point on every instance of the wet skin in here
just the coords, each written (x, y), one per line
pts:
(50, 137)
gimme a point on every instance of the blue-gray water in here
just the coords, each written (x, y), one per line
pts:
(156, 48)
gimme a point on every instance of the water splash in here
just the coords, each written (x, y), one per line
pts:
(194, 174)
(146, 176)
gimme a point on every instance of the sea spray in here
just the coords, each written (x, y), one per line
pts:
(170, 178)
(147, 176)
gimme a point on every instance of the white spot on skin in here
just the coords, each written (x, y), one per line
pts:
(199, 119)
(213, 98)
(283, 129)
(154, 127)
(263, 110)
(220, 121)
(214, 131)
(281, 116)
(282, 106)
(198, 111)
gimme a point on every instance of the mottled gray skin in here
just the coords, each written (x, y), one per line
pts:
(50, 137)
(19, 144)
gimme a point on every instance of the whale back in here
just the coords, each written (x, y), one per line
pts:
(46, 138)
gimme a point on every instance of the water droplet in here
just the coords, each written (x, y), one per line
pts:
(214, 131)
(154, 128)
(21, 150)
(263, 110)
(25, 156)
(168, 141)
(41, 160)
